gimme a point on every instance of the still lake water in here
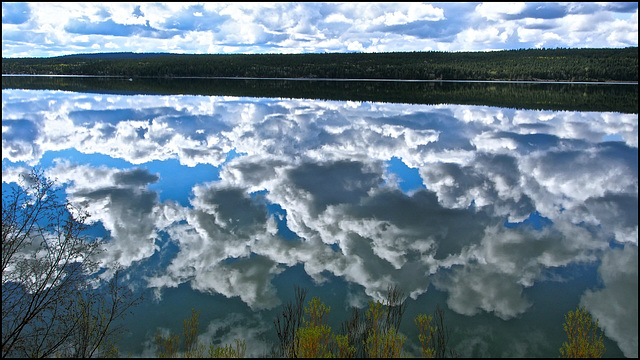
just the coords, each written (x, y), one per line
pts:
(506, 217)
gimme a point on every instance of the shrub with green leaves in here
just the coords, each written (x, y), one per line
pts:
(584, 337)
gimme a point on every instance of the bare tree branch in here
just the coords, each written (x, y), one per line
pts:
(48, 307)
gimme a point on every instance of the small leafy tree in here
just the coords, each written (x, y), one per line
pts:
(374, 332)
(584, 337)
(168, 346)
(371, 333)
(228, 351)
(190, 328)
(383, 340)
(314, 337)
(434, 335)
(345, 349)
(426, 335)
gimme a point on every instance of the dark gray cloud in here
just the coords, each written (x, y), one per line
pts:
(195, 18)
(18, 139)
(215, 240)
(494, 181)
(137, 12)
(19, 37)
(440, 31)
(85, 26)
(422, 213)
(253, 171)
(591, 8)
(550, 11)
(334, 183)
(103, 13)
(616, 213)
(19, 130)
(15, 13)
(615, 305)
(121, 201)
(540, 11)
(134, 177)
(527, 143)
(234, 210)
(476, 287)
(549, 25)
(622, 7)
(457, 17)
(499, 267)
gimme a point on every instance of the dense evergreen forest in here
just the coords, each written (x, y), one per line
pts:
(524, 64)
(534, 96)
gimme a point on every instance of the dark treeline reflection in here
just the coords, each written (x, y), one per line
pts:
(532, 96)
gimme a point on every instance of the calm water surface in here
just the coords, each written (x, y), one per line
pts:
(505, 218)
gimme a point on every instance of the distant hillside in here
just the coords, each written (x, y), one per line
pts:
(523, 64)
(111, 55)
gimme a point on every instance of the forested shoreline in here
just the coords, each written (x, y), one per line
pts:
(533, 96)
(511, 65)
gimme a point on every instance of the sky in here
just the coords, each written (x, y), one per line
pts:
(54, 29)
(358, 227)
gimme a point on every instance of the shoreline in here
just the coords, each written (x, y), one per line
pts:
(334, 79)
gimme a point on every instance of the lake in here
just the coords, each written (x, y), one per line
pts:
(506, 205)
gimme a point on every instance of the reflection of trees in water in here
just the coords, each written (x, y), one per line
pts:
(535, 96)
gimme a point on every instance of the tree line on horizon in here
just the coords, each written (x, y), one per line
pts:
(523, 64)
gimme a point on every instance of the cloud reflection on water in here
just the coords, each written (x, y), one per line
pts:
(326, 164)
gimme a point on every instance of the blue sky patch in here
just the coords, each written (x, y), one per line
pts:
(409, 178)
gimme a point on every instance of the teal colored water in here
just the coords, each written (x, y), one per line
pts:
(506, 218)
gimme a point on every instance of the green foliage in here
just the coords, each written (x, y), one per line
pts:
(316, 313)
(344, 348)
(314, 342)
(315, 338)
(373, 336)
(382, 341)
(522, 64)
(190, 331)
(434, 335)
(426, 335)
(228, 351)
(375, 333)
(584, 337)
(168, 346)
